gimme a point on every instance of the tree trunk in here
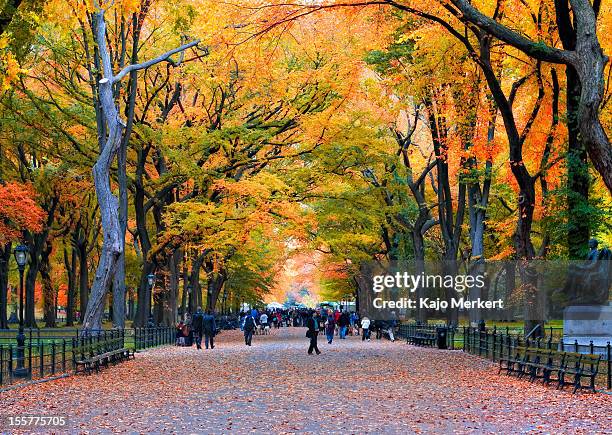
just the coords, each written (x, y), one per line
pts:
(48, 294)
(143, 307)
(70, 265)
(30, 288)
(174, 267)
(589, 62)
(83, 281)
(5, 258)
(195, 297)
(112, 244)
(185, 285)
(213, 289)
(577, 167)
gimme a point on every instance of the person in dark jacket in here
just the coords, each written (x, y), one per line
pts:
(343, 323)
(197, 324)
(313, 331)
(209, 328)
(330, 326)
(248, 327)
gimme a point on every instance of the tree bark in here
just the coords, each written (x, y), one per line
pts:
(578, 180)
(112, 246)
(48, 294)
(83, 280)
(174, 269)
(5, 258)
(70, 264)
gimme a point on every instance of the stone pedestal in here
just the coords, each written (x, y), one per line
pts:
(585, 324)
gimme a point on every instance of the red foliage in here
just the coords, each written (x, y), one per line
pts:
(18, 211)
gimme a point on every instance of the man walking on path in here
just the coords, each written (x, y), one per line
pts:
(249, 327)
(365, 326)
(197, 323)
(210, 328)
(343, 322)
(330, 326)
(313, 332)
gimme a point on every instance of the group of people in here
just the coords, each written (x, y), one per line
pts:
(337, 323)
(194, 328)
(264, 320)
(203, 325)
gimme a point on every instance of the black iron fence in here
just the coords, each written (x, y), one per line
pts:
(152, 337)
(495, 344)
(52, 353)
(7, 336)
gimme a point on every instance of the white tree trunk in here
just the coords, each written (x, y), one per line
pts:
(113, 237)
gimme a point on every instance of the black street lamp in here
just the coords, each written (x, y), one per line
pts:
(151, 283)
(21, 257)
(224, 301)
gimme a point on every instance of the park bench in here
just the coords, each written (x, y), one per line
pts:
(545, 363)
(579, 366)
(99, 355)
(422, 337)
(517, 362)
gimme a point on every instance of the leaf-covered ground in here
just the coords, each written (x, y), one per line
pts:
(275, 387)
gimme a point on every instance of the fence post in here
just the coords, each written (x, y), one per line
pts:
(63, 355)
(30, 356)
(494, 341)
(10, 361)
(576, 346)
(53, 358)
(2, 363)
(609, 349)
(41, 354)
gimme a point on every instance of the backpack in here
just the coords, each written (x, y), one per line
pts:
(249, 323)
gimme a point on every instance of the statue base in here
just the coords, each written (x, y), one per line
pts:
(584, 324)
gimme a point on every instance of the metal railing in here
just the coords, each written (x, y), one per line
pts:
(52, 353)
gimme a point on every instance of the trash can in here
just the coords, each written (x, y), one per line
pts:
(441, 334)
(482, 326)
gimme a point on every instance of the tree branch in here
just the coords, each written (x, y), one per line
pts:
(162, 58)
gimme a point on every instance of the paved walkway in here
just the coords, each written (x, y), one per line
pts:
(275, 387)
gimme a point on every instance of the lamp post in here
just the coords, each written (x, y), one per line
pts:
(224, 301)
(21, 257)
(151, 283)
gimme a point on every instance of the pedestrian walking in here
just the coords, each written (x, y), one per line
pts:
(248, 327)
(365, 329)
(313, 331)
(263, 320)
(209, 329)
(391, 325)
(197, 325)
(330, 326)
(343, 323)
